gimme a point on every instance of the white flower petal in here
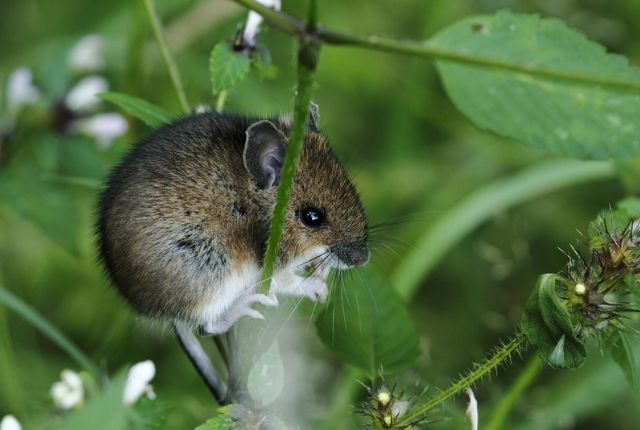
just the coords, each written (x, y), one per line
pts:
(86, 55)
(69, 392)
(9, 422)
(138, 380)
(20, 89)
(399, 407)
(104, 127)
(84, 96)
(254, 20)
(472, 409)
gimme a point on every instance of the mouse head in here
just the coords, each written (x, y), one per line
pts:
(325, 225)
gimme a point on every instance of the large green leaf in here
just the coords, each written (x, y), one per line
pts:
(227, 67)
(547, 325)
(622, 353)
(368, 326)
(150, 114)
(548, 110)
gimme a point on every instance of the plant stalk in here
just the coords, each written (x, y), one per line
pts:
(166, 55)
(503, 354)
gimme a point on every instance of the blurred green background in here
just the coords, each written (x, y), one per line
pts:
(412, 154)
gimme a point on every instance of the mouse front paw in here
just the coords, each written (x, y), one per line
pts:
(242, 307)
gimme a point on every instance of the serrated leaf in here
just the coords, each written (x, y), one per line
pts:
(222, 421)
(152, 414)
(622, 353)
(227, 67)
(149, 113)
(368, 325)
(568, 118)
(266, 377)
(547, 326)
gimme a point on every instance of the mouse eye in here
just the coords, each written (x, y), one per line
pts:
(312, 217)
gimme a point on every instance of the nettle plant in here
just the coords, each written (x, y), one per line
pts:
(498, 70)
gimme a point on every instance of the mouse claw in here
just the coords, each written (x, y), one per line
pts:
(252, 313)
(267, 300)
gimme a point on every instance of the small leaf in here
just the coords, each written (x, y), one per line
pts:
(622, 353)
(266, 378)
(369, 326)
(547, 326)
(152, 414)
(227, 67)
(562, 116)
(150, 114)
(222, 421)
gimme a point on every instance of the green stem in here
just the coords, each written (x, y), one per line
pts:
(222, 98)
(38, 321)
(524, 380)
(503, 354)
(483, 205)
(291, 25)
(307, 60)
(166, 55)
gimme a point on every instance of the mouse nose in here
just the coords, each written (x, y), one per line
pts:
(352, 253)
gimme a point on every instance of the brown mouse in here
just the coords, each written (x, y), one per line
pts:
(185, 218)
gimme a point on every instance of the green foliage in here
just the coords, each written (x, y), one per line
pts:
(369, 327)
(105, 410)
(151, 414)
(227, 67)
(222, 421)
(621, 351)
(150, 114)
(266, 377)
(562, 115)
(549, 328)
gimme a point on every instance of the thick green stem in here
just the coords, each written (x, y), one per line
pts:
(291, 25)
(307, 60)
(503, 354)
(38, 321)
(166, 55)
(526, 377)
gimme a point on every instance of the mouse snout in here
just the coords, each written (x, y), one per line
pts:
(352, 253)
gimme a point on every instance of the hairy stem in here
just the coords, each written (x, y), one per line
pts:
(166, 55)
(525, 378)
(503, 354)
(38, 321)
(308, 54)
(291, 25)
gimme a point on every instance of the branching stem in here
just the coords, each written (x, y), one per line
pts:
(291, 25)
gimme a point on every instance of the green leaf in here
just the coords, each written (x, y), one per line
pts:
(222, 421)
(152, 414)
(547, 326)
(104, 410)
(622, 353)
(561, 115)
(227, 67)
(266, 378)
(150, 114)
(369, 327)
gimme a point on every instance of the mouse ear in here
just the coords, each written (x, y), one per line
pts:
(314, 116)
(264, 152)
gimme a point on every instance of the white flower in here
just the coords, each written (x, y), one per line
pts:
(9, 422)
(68, 393)
(138, 380)
(20, 89)
(254, 20)
(472, 409)
(86, 54)
(104, 127)
(84, 96)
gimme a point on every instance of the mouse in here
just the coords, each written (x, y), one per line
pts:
(184, 219)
